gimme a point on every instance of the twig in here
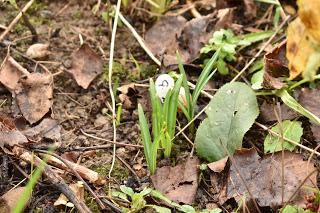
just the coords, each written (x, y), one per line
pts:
(33, 31)
(261, 50)
(113, 40)
(53, 177)
(129, 167)
(104, 146)
(287, 139)
(18, 66)
(71, 167)
(15, 20)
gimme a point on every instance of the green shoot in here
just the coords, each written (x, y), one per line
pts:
(163, 124)
(227, 42)
(27, 193)
(191, 100)
(119, 112)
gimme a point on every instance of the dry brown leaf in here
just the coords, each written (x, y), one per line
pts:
(310, 16)
(38, 51)
(9, 74)
(188, 37)
(276, 66)
(218, 166)
(267, 112)
(179, 183)
(9, 200)
(34, 98)
(263, 177)
(86, 66)
(9, 135)
(251, 8)
(78, 190)
(48, 128)
(310, 99)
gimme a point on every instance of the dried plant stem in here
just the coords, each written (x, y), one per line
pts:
(16, 19)
(113, 39)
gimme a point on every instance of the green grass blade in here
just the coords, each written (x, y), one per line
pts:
(204, 77)
(185, 85)
(255, 37)
(184, 110)
(156, 110)
(23, 199)
(293, 104)
(172, 107)
(145, 135)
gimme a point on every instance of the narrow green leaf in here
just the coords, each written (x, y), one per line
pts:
(185, 84)
(204, 77)
(270, 2)
(146, 138)
(156, 110)
(231, 112)
(255, 37)
(293, 104)
(291, 129)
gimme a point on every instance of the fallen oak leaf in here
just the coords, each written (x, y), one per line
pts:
(9, 135)
(86, 66)
(8, 201)
(48, 128)
(9, 74)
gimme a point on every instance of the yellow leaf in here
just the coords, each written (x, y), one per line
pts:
(310, 16)
(299, 48)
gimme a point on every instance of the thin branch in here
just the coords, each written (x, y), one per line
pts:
(15, 20)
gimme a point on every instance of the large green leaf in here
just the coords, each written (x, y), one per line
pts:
(291, 129)
(231, 113)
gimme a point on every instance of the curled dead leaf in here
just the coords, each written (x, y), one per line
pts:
(276, 67)
(86, 66)
(78, 190)
(218, 166)
(9, 74)
(38, 51)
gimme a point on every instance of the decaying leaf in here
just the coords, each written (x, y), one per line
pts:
(309, 15)
(231, 112)
(9, 74)
(188, 37)
(267, 112)
(34, 98)
(263, 177)
(218, 166)
(9, 135)
(180, 188)
(48, 128)
(78, 190)
(301, 51)
(86, 66)
(276, 67)
(9, 200)
(310, 99)
(37, 51)
(128, 96)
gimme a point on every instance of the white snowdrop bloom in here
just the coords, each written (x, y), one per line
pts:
(163, 84)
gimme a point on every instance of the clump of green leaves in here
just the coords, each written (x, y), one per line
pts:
(227, 43)
(163, 124)
(137, 201)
